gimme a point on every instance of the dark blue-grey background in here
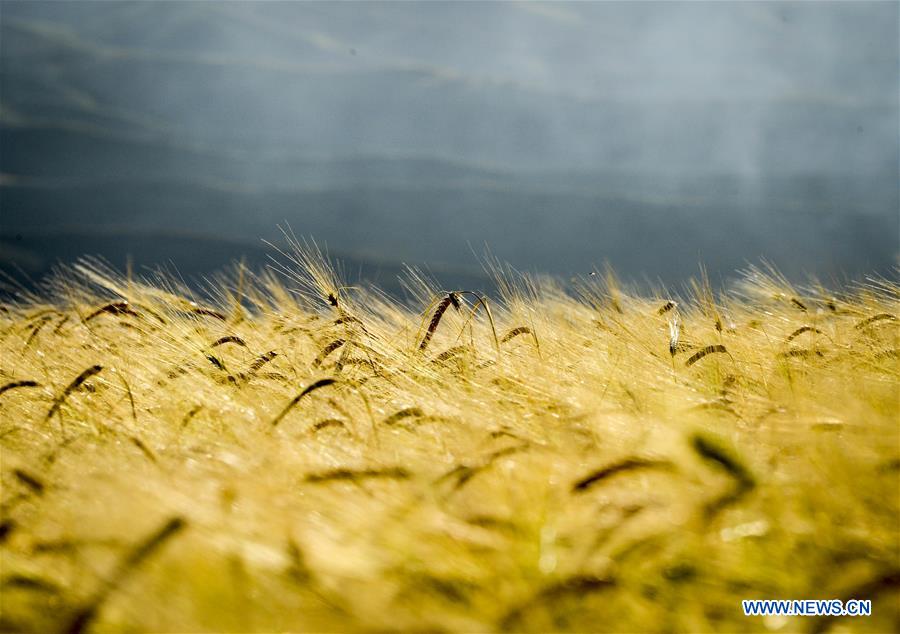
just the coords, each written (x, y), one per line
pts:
(652, 136)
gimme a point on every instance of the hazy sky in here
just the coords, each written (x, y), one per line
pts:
(667, 86)
(356, 121)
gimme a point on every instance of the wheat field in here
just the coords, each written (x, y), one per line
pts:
(286, 453)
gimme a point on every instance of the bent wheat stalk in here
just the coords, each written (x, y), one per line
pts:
(480, 300)
(74, 385)
(17, 384)
(801, 330)
(83, 617)
(327, 350)
(718, 347)
(515, 332)
(628, 464)
(450, 298)
(311, 388)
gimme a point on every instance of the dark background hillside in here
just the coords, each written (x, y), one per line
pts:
(651, 136)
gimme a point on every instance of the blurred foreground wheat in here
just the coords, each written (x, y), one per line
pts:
(290, 454)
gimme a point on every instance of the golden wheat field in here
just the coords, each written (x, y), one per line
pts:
(290, 454)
